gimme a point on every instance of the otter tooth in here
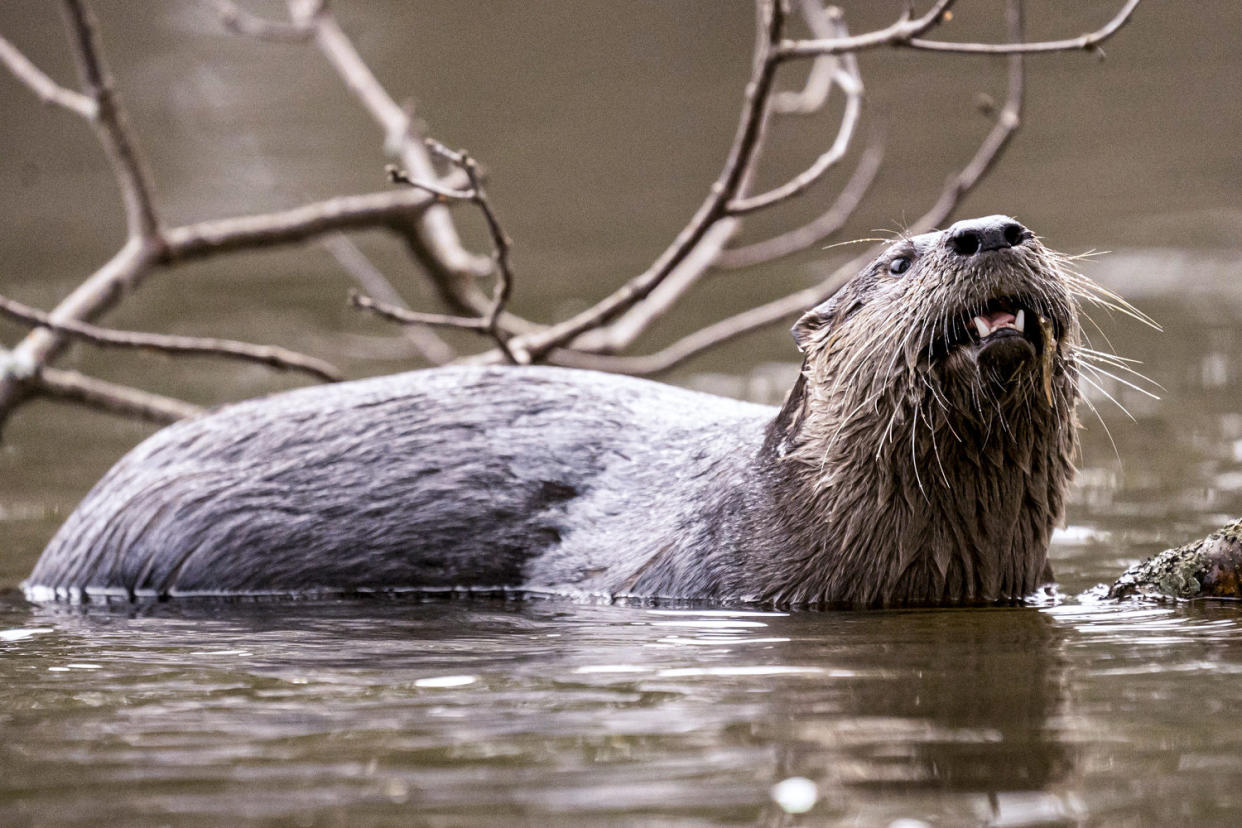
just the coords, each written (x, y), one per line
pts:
(982, 325)
(1020, 321)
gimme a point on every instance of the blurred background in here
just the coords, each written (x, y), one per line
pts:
(601, 125)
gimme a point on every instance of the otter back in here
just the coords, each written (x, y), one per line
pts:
(455, 476)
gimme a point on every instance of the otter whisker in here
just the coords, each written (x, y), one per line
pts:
(1110, 397)
(853, 241)
(1120, 363)
(1094, 292)
(1086, 254)
(1098, 330)
(1107, 432)
(837, 433)
(914, 456)
(931, 429)
(1112, 357)
(1102, 372)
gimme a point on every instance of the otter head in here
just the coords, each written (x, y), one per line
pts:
(982, 306)
(933, 427)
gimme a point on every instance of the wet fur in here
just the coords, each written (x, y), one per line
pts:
(894, 474)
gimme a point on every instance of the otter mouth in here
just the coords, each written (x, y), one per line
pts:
(1001, 322)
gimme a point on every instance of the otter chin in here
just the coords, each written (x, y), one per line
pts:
(921, 458)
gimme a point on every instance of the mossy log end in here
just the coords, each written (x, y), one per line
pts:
(1207, 568)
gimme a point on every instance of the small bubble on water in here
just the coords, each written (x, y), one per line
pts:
(446, 681)
(19, 633)
(396, 790)
(795, 795)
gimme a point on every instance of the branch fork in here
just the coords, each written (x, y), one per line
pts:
(420, 213)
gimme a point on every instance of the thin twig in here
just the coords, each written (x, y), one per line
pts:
(99, 292)
(297, 224)
(819, 81)
(717, 333)
(848, 77)
(905, 32)
(112, 124)
(851, 83)
(1089, 42)
(374, 283)
(904, 29)
(736, 170)
(239, 21)
(72, 386)
(444, 194)
(269, 355)
(434, 240)
(396, 313)
(1007, 122)
(815, 231)
(787, 306)
(501, 244)
(430, 236)
(48, 90)
(625, 329)
(136, 260)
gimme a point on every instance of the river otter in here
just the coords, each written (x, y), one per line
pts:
(920, 458)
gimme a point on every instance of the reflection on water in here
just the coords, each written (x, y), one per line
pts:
(601, 142)
(483, 712)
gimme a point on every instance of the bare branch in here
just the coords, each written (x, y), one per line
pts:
(828, 223)
(905, 32)
(847, 76)
(48, 90)
(736, 169)
(625, 329)
(501, 243)
(133, 262)
(822, 23)
(899, 32)
(111, 124)
(239, 21)
(1007, 122)
(717, 333)
(99, 292)
(850, 81)
(399, 176)
(434, 239)
(72, 386)
(431, 237)
(1089, 41)
(297, 224)
(269, 355)
(373, 282)
(795, 303)
(399, 314)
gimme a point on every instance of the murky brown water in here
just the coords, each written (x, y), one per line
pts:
(602, 123)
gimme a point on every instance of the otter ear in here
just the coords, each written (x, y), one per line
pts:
(817, 319)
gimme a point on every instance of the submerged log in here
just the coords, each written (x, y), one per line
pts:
(1207, 568)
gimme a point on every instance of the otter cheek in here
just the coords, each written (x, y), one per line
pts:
(1000, 360)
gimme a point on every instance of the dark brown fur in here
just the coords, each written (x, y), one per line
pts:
(926, 474)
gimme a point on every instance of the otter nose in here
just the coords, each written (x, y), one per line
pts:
(972, 236)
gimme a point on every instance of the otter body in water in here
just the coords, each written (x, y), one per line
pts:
(920, 458)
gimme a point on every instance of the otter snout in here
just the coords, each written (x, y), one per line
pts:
(966, 238)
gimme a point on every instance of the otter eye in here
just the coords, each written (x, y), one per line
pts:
(899, 265)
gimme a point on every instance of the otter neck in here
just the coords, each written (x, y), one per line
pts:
(909, 493)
